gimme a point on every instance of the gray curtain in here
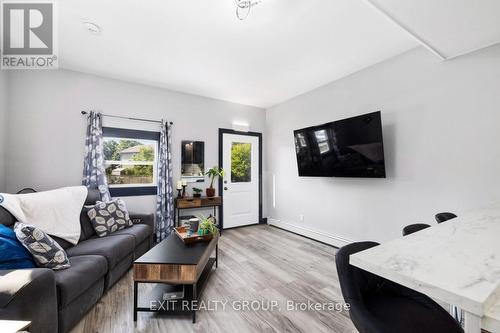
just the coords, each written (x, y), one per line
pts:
(94, 175)
(165, 197)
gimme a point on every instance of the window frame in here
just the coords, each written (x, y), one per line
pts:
(323, 141)
(126, 191)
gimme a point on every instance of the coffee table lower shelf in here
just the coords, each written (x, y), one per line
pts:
(192, 292)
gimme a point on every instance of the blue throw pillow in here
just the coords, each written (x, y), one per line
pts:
(13, 255)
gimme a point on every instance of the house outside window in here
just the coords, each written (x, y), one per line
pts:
(130, 161)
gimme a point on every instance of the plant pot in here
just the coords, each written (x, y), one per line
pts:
(197, 195)
(210, 192)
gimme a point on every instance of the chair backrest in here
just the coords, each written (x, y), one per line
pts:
(26, 190)
(442, 217)
(354, 282)
(412, 228)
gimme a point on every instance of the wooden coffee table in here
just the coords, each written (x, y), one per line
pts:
(173, 263)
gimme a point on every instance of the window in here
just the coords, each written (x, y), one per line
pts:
(241, 162)
(300, 140)
(130, 158)
(322, 140)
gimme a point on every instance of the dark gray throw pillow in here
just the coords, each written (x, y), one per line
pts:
(45, 251)
(108, 217)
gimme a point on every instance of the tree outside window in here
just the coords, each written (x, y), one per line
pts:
(241, 162)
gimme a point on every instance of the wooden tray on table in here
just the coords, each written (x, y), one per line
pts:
(182, 232)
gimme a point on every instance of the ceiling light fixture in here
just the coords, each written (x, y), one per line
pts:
(243, 8)
(93, 28)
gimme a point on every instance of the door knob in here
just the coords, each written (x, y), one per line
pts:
(225, 188)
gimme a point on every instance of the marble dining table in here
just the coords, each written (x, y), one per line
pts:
(491, 320)
(456, 262)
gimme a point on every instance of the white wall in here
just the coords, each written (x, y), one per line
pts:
(47, 131)
(441, 124)
(3, 127)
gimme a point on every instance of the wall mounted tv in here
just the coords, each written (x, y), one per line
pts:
(349, 147)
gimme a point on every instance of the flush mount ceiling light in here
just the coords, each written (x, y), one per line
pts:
(243, 8)
(92, 28)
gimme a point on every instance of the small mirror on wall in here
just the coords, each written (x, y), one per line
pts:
(193, 161)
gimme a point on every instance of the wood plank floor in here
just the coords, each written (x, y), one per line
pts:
(255, 263)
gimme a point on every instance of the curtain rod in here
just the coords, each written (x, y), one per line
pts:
(129, 118)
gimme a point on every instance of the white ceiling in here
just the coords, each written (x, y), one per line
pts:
(450, 28)
(284, 48)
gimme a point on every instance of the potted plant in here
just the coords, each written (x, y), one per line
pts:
(212, 173)
(206, 226)
(197, 192)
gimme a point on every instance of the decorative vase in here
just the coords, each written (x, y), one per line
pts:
(210, 192)
(193, 224)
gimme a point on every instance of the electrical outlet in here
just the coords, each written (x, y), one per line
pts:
(301, 217)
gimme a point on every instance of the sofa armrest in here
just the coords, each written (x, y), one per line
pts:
(29, 294)
(148, 219)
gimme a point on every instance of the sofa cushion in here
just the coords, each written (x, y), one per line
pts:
(83, 273)
(29, 294)
(6, 218)
(114, 249)
(87, 228)
(62, 242)
(108, 217)
(139, 231)
(45, 251)
(93, 196)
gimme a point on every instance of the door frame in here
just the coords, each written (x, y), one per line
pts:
(223, 131)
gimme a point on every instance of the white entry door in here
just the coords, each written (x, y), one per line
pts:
(240, 161)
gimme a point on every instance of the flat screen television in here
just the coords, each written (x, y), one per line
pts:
(351, 147)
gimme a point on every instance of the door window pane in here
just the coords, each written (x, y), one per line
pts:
(241, 162)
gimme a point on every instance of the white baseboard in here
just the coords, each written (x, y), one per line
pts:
(321, 236)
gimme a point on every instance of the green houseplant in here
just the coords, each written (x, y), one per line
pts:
(213, 172)
(207, 226)
(197, 192)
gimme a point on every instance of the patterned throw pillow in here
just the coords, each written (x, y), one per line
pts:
(45, 251)
(108, 217)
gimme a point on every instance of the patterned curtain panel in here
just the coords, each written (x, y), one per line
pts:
(165, 198)
(94, 174)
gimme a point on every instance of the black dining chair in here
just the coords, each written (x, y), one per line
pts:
(378, 305)
(26, 190)
(411, 228)
(443, 217)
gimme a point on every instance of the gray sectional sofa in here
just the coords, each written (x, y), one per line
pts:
(54, 301)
